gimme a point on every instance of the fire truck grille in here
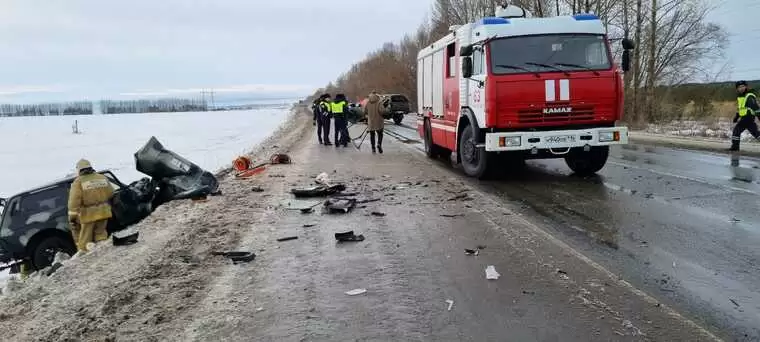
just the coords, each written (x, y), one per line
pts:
(556, 114)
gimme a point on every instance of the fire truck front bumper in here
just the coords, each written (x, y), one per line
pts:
(556, 140)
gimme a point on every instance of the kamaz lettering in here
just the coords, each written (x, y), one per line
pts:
(557, 110)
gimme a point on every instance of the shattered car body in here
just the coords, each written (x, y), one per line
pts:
(175, 176)
(34, 224)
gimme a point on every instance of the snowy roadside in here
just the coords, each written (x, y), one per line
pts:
(164, 273)
(698, 135)
(109, 141)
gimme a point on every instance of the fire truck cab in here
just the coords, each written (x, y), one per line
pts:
(511, 88)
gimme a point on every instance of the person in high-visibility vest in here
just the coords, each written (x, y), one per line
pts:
(746, 109)
(339, 109)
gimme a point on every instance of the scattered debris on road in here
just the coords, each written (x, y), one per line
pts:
(309, 225)
(491, 273)
(451, 304)
(735, 302)
(288, 238)
(318, 191)
(257, 189)
(472, 252)
(237, 256)
(323, 179)
(301, 204)
(461, 197)
(349, 236)
(343, 205)
(356, 292)
(377, 213)
(529, 292)
(452, 215)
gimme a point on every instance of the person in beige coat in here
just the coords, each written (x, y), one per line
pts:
(375, 122)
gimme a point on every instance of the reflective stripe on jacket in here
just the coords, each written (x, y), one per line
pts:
(741, 105)
(325, 107)
(89, 196)
(338, 108)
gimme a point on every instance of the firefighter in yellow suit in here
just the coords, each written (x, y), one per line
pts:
(89, 207)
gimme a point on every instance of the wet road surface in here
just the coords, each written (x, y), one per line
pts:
(420, 284)
(683, 226)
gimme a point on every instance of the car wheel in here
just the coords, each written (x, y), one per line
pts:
(44, 252)
(398, 118)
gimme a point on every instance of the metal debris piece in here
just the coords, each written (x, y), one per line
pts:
(452, 215)
(451, 304)
(356, 292)
(491, 273)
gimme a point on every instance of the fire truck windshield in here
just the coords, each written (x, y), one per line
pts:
(571, 52)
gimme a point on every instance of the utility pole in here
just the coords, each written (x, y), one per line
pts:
(211, 95)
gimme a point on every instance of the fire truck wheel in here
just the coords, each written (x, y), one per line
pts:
(430, 149)
(587, 163)
(475, 161)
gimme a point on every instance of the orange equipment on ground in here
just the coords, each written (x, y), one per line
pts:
(245, 169)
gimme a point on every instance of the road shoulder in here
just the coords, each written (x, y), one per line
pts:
(692, 143)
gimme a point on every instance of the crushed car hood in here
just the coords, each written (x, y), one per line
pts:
(177, 177)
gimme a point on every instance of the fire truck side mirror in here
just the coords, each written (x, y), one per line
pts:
(467, 67)
(628, 44)
(626, 60)
(466, 51)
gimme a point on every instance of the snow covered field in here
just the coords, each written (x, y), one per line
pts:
(38, 150)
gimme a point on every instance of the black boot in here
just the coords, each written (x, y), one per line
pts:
(380, 149)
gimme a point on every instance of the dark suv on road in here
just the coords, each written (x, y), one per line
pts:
(35, 226)
(397, 105)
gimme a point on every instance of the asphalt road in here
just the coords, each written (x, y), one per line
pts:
(683, 226)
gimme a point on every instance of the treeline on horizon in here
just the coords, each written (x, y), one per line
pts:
(106, 107)
(672, 73)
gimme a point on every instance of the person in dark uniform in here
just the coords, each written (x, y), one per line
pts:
(325, 114)
(746, 109)
(314, 107)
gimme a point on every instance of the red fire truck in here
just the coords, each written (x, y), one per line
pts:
(512, 87)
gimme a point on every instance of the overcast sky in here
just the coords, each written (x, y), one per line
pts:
(65, 49)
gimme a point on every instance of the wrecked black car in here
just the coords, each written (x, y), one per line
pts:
(34, 224)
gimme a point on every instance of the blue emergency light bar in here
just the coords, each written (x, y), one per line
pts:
(493, 21)
(585, 16)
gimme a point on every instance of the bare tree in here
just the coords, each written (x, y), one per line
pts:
(651, 77)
